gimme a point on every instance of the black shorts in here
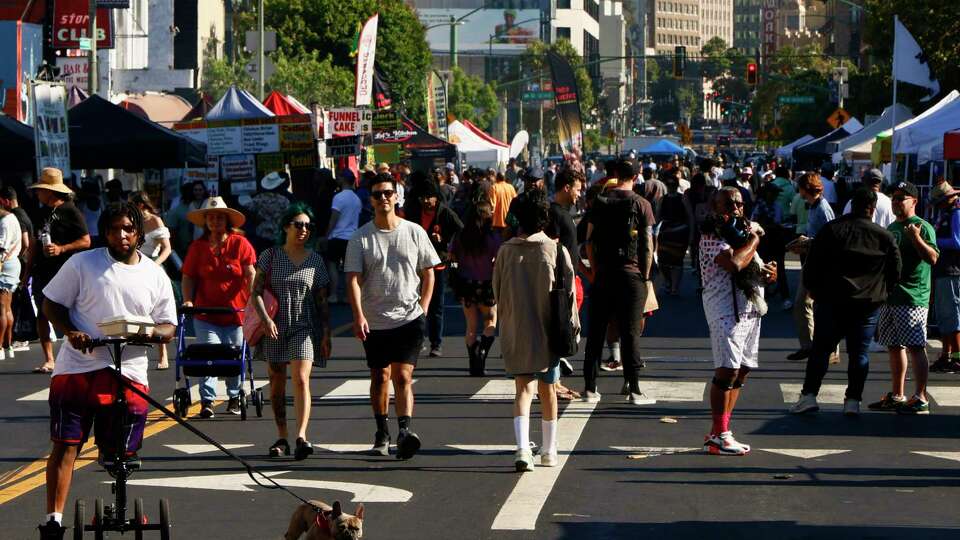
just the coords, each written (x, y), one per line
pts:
(337, 250)
(396, 345)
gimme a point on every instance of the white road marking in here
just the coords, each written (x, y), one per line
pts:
(522, 508)
(674, 390)
(945, 396)
(804, 453)
(656, 450)
(485, 448)
(221, 389)
(496, 390)
(40, 395)
(367, 493)
(354, 389)
(191, 449)
(345, 448)
(953, 456)
(832, 394)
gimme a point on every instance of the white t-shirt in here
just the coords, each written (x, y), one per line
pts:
(11, 237)
(94, 287)
(883, 215)
(348, 205)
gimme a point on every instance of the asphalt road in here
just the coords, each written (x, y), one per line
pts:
(625, 471)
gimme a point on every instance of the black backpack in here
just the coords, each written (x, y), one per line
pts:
(616, 229)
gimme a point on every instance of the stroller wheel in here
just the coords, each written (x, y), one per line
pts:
(164, 519)
(139, 519)
(243, 405)
(98, 519)
(78, 519)
(258, 401)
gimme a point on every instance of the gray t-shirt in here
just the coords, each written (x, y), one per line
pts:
(389, 264)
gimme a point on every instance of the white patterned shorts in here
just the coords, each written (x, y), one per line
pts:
(902, 326)
(735, 344)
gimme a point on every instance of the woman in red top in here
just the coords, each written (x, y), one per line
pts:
(218, 272)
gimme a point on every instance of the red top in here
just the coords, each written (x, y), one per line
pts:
(219, 277)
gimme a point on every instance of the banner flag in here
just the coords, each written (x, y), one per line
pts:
(566, 96)
(366, 54)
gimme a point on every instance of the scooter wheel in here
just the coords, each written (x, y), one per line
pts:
(98, 518)
(79, 519)
(139, 519)
(164, 519)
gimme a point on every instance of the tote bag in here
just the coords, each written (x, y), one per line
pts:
(253, 330)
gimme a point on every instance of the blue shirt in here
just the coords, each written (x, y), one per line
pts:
(817, 216)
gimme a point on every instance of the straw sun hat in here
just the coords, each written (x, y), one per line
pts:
(51, 179)
(215, 204)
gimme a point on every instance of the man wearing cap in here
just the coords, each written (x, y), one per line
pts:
(902, 325)
(946, 276)
(62, 232)
(450, 172)
(532, 179)
(883, 216)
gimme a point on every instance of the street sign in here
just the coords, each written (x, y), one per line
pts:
(537, 96)
(795, 100)
(838, 118)
(253, 40)
(268, 68)
(86, 44)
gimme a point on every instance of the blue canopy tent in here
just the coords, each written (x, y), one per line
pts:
(237, 104)
(661, 147)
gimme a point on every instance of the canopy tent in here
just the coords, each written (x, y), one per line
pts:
(16, 145)
(298, 104)
(282, 105)
(200, 110)
(424, 149)
(815, 151)
(164, 109)
(661, 147)
(863, 150)
(104, 135)
(237, 104)
(922, 136)
(76, 95)
(870, 131)
(786, 151)
(478, 148)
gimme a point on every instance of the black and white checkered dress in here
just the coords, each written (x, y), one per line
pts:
(297, 322)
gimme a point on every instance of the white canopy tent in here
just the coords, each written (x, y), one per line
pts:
(478, 151)
(870, 131)
(786, 151)
(922, 136)
(862, 150)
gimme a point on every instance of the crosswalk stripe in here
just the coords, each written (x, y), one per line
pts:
(945, 396)
(953, 456)
(496, 390)
(354, 389)
(804, 453)
(40, 395)
(485, 448)
(829, 393)
(674, 390)
(191, 449)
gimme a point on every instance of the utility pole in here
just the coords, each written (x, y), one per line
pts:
(93, 75)
(260, 53)
(453, 42)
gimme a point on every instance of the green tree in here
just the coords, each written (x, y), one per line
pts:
(472, 99)
(714, 61)
(310, 79)
(220, 74)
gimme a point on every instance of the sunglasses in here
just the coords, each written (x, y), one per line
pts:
(129, 229)
(301, 225)
(385, 194)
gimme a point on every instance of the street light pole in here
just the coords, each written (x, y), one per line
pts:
(453, 41)
(92, 67)
(260, 62)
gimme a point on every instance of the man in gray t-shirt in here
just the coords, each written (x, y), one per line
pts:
(389, 266)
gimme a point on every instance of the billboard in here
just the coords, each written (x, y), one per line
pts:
(768, 29)
(496, 29)
(71, 21)
(50, 133)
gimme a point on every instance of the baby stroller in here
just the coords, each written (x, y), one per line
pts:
(212, 360)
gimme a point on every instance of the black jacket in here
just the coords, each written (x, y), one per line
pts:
(445, 222)
(852, 260)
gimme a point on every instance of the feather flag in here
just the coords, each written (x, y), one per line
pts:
(910, 63)
(366, 54)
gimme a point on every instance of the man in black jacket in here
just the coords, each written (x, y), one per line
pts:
(852, 265)
(441, 223)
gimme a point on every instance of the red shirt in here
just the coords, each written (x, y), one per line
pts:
(219, 278)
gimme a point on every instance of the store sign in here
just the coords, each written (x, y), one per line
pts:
(242, 167)
(346, 122)
(768, 26)
(74, 71)
(71, 23)
(50, 133)
(343, 146)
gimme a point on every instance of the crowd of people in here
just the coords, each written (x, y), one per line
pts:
(391, 242)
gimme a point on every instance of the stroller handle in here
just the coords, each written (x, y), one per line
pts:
(196, 310)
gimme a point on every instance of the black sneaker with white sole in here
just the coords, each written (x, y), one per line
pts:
(52, 530)
(408, 443)
(233, 406)
(206, 409)
(381, 444)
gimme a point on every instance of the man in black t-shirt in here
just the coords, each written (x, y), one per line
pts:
(620, 250)
(62, 231)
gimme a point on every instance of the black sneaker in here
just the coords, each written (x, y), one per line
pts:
(887, 403)
(206, 410)
(233, 406)
(381, 444)
(51, 530)
(914, 406)
(802, 354)
(408, 443)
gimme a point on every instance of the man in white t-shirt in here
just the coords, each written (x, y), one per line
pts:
(344, 217)
(883, 215)
(91, 287)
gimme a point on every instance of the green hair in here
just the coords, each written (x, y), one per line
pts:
(294, 210)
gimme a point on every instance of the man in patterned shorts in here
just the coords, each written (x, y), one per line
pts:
(902, 325)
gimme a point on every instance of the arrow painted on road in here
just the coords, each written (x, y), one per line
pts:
(191, 449)
(652, 451)
(804, 453)
(485, 448)
(953, 456)
(366, 493)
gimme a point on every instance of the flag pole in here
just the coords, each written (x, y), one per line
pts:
(893, 127)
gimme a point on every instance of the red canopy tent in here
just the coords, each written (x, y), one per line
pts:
(483, 134)
(281, 105)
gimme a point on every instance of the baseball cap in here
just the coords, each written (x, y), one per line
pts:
(907, 188)
(873, 176)
(450, 166)
(533, 173)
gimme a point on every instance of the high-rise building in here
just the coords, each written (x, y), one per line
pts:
(673, 23)
(746, 26)
(716, 20)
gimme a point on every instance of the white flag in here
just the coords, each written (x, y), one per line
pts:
(909, 62)
(366, 53)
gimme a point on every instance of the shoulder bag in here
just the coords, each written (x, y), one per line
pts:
(562, 335)
(253, 330)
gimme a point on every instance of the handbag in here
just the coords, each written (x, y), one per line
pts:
(253, 330)
(561, 336)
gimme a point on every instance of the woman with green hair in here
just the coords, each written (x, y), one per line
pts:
(299, 334)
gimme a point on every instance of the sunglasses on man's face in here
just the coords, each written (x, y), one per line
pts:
(301, 225)
(384, 194)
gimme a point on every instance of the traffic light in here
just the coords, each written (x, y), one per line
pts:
(679, 61)
(752, 74)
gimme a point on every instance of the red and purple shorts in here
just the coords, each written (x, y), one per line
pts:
(79, 401)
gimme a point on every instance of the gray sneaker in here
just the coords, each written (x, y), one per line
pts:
(591, 397)
(806, 404)
(523, 460)
(851, 407)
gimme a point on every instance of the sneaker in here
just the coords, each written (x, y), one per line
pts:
(914, 405)
(233, 406)
(851, 407)
(381, 445)
(408, 443)
(807, 403)
(21, 346)
(206, 410)
(942, 365)
(549, 460)
(9, 353)
(625, 389)
(51, 530)
(787, 305)
(887, 403)
(2, 355)
(953, 367)
(724, 445)
(436, 352)
(523, 460)
(612, 365)
(591, 397)
(801, 354)
(639, 398)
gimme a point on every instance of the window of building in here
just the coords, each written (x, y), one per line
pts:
(563, 4)
(592, 7)
(563, 32)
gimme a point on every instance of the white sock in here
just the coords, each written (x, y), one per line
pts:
(521, 430)
(56, 516)
(615, 351)
(549, 428)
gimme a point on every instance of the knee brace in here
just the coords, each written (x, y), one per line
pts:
(725, 385)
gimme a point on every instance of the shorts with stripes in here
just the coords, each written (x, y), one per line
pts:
(902, 326)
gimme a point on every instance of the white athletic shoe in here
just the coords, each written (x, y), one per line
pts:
(591, 397)
(724, 445)
(549, 460)
(851, 407)
(2, 355)
(806, 403)
(523, 460)
(639, 398)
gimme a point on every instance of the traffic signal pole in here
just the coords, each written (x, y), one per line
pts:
(93, 75)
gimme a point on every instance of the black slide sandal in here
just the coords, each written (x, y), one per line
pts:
(280, 448)
(304, 449)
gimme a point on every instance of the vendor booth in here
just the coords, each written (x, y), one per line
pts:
(476, 147)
